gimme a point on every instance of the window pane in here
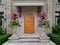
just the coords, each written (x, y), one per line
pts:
(57, 20)
(0, 22)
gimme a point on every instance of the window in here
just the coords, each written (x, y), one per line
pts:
(57, 17)
(1, 20)
(0, 1)
(58, 1)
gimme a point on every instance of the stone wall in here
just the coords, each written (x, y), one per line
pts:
(50, 13)
(8, 12)
(9, 5)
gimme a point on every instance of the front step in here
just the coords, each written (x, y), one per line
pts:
(29, 38)
(44, 38)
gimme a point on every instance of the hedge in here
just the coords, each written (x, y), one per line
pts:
(55, 38)
(1, 32)
(56, 29)
(4, 38)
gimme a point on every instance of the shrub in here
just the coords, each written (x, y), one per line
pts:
(4, 38)
(55, 38)
(56, 29)
(1, 30)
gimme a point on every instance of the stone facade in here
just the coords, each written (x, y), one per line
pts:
(49, 7)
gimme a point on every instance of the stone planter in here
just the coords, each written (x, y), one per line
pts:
(45, 29)
(15, 29)
(43, 35)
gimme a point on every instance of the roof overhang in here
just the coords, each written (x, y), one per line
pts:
(29, 4)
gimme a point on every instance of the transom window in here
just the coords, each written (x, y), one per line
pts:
(29, 13)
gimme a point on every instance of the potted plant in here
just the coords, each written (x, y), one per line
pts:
(14, 23)
(45, 24)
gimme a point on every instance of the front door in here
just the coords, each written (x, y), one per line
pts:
(29, 14)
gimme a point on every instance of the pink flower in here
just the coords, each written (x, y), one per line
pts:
(14, 15)
(43, 15)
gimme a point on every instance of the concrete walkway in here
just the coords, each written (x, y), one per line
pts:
(25, 39)
(33, 43)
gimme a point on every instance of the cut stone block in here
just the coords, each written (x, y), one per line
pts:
(14, 37)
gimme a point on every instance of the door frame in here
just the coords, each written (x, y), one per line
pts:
(28, 9)
(22, 16)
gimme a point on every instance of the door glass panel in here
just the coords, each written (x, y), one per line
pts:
(29, 13)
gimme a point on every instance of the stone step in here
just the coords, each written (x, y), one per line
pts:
(29, 40)
(45, 38)
(29, 36)
(13, 37)
(44, 41)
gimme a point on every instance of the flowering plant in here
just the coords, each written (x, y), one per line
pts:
(14, 19)
(13, 23)
(14, 15)
(43, 15)
(44, 23)
(43, 19)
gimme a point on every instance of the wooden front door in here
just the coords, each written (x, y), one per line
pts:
(29, 14)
